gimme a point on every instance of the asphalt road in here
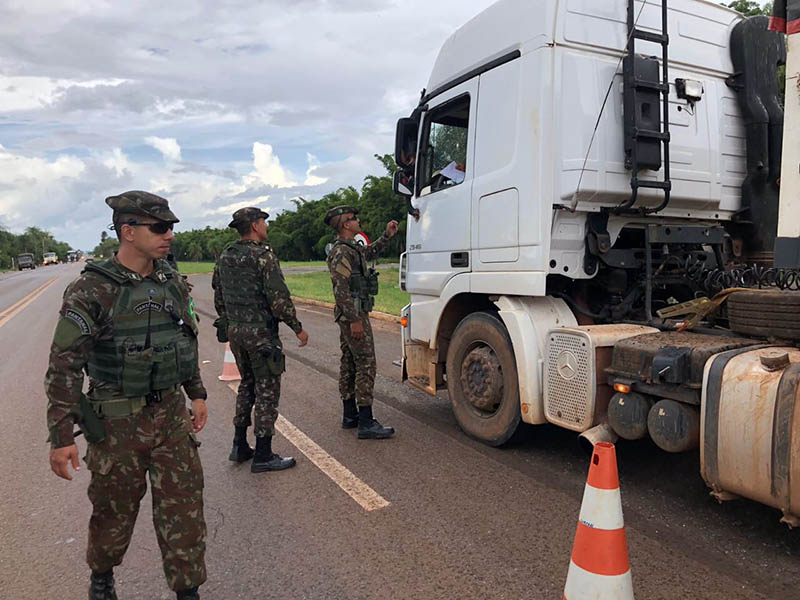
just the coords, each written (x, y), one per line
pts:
(459, 519)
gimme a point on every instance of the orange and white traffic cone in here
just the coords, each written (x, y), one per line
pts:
(599, 569)
(230, 372)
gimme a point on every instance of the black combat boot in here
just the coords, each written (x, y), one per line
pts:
(266, 460)
(349, 414)
(101, 586)
(369, 428)
(241, 451)
(190, 594)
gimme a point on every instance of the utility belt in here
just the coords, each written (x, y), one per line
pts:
(115, 408)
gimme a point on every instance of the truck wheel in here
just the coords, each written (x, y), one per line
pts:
(482, 379)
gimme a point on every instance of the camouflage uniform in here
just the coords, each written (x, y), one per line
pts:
(156, 436)
(254, 340)
(357, 368)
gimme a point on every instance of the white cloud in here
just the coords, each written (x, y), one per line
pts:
(268, 169)
(313, 165)
(167, 146)
(117, 161)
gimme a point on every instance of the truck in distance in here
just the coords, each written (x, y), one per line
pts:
(49, 258)
(25, 261)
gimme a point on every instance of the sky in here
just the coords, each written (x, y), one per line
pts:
(214, 105)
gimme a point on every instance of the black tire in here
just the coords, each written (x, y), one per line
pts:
(765, 313)
(482, 379)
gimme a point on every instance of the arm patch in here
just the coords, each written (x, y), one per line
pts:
(79, 320)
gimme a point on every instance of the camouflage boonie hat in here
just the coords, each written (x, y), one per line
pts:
(247, 215)
(337, 211)
(142, 204)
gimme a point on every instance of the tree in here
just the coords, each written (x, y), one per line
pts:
(749, 8)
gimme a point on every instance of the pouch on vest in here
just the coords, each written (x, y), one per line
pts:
(372, 281)
(92, 426)
(221, 325)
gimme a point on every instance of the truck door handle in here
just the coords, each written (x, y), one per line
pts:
(459, 259)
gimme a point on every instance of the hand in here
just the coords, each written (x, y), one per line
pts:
(60, 459)
(199, 414)
(391, 228)
(303, 337)
(357, 330)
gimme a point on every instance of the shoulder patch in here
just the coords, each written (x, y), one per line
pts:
(343, 269)
(79, 320)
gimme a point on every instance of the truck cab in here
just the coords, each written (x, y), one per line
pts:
(594, 165)
(50, 258)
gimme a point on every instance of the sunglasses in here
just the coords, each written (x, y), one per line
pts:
(352, 219)
(157, 228)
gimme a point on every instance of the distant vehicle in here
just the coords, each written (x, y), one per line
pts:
(50, 258)
(25, 261)
(72, 256)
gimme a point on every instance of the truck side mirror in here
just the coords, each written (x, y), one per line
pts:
(399, 187)
(403, 190)
(405, 142)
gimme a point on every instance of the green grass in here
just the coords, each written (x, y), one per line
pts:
(317, 286)
(192, 268)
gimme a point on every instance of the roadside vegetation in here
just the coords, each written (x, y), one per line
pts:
(317, 286)
(33, 240)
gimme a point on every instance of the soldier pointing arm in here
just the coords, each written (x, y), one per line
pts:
(354, 288)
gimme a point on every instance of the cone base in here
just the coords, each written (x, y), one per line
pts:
(583, 585)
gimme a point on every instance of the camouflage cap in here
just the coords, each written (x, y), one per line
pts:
(141, 203)
(337, 211)
(247, 215)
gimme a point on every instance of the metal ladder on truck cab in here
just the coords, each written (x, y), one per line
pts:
(646, 126)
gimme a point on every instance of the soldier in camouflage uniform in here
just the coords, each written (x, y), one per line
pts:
(127, 322)
(251, 298)
(354, 286)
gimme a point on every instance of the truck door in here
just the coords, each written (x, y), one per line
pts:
(439, 242)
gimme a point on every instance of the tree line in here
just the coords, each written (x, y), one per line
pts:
(34, 241)
(300, 234)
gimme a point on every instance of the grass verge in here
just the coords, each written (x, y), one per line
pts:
(317, 286)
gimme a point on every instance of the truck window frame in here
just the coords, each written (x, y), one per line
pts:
(423, 179)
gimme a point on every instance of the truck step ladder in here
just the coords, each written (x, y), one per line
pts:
(646, 127)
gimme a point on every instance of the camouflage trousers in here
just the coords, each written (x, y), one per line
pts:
(357, 367)
(259, 390)
(157, 441)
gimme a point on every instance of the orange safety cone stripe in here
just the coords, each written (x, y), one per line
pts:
(601, 551)
(603, 468)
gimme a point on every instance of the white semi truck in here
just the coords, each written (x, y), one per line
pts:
(575, 171)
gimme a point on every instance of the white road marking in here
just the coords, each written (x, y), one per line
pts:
(359, 491)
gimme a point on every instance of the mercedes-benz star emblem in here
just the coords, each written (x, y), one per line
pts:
(567, 365)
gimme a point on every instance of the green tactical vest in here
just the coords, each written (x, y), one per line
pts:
(243, 286)
(154, 340)
(364, 282)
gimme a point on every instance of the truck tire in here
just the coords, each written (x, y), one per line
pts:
(482, 379)
(765, 313)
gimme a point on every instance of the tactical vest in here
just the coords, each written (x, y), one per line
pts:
(154, 339)
(363, 282)
(243, 286)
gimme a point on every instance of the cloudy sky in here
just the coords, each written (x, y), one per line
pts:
(212, 104)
